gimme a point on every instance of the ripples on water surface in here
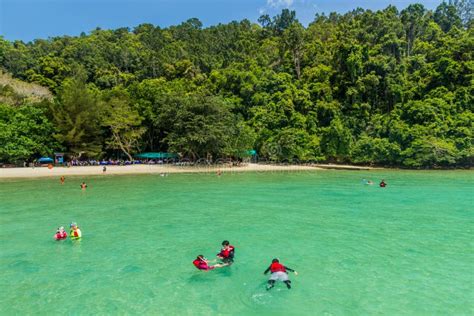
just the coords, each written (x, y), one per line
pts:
(406, 249)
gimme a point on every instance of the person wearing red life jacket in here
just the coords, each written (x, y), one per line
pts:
(202, 263)
(60, 234)
(279, 273)
(227, 253)
(382, 184)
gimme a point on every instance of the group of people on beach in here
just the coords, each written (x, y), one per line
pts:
(75, 232)
(279, 272)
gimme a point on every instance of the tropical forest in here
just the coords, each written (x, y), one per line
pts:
(391, 88)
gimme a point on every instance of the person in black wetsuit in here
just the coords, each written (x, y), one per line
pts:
(278, 274)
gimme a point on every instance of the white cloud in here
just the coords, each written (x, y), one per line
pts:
(280, 3)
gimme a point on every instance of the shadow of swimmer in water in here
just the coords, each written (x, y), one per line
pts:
(279, 273)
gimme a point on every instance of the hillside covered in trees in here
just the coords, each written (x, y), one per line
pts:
(392, 88)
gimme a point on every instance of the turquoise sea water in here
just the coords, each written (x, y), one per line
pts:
(407, 249)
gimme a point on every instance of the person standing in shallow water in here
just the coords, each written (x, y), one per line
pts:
(227, 253)
(278, 274)
(83, 186)
(62, 179)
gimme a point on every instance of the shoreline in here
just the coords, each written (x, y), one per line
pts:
(28, 172)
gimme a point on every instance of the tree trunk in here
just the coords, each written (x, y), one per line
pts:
(122, 147)
(296, 58)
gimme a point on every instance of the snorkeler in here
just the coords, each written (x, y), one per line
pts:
(202, 263)
(60, 234)
(83, 186)
(367, 182)
(278, 274)
(62, 179)
(227, 253)
(75, 232)
(382, 184)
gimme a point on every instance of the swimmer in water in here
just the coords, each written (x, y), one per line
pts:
(83, 186)
(219, 173)
(60, 234)
(227, 253)
(382, 184)
(202, 263)
(62, 179)
(278, 274)
(104, 169)
(75, 232)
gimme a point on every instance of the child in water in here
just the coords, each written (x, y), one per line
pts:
(60, 234)
(75, 232)
(278, 274)
(202, 263)
(227, 253)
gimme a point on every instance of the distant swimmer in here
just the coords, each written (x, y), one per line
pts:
(382, 184)
(60, 234)
(219, 173)
(367, 182)
(83, 186)
(227, 253)
(278, 274)
(62, 179)
(104, 170)
(75, 232)
(202, 263)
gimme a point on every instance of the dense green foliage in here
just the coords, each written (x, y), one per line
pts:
(386, 88)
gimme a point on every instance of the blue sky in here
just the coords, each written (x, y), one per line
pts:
(30, 19)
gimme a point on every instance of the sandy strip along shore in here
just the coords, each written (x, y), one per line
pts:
(156, 169)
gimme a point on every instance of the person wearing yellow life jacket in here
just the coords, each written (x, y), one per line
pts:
(278, 274)
(75, 232)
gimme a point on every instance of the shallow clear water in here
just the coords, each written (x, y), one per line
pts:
(405, 249)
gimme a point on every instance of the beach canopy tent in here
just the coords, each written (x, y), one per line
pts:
(153, 155)
(45, 160)
(251, 152)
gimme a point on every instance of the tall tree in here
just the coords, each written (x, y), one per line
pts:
(122, 121)
(77, 118)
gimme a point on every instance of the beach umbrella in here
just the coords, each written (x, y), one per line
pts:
(45, 160)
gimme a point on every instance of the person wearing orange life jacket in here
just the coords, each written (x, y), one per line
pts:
(202, 263)
(278, 274)
(227, 253)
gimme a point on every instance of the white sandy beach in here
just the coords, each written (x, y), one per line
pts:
(29, 172)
